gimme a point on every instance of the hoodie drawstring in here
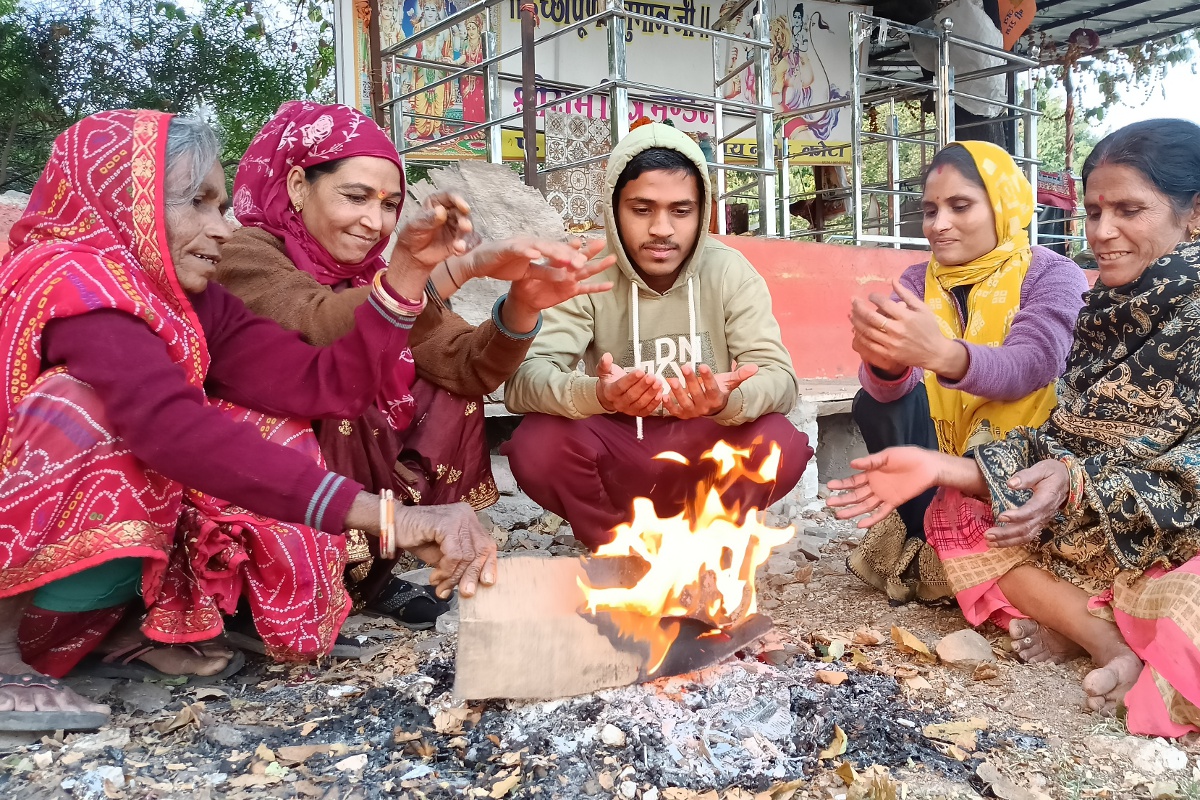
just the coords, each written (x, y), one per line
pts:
(637, 344)
(692, 323)
(637, 335)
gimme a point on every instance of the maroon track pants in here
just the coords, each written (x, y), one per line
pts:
(589, 471)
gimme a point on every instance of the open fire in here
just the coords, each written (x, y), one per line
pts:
(699, 566)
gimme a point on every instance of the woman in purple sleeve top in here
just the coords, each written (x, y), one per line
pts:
(157, 463)
(969, 346)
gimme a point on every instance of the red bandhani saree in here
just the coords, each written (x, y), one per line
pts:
(72, 495)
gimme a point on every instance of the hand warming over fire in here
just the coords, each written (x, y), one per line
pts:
(450, 539)
(703, 393)
(888, 478)
(447, 537)
(636, 393)
(433, 234)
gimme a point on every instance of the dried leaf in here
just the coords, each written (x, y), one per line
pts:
(874, 783)
(188, 715)
(503, 787)
(868, 636)
(831, 677)
(961, 734)
(308, 728)
(300, 753)
(494, 739)
(263, 753)
(957, 753)
(782, 791)
(846, 772)
(450, 720)
(676, 793)
(276, 769)
(906, 642)
(605, 779)
(836, 747)
(859, 659)
(985, 672)
(400, 737)
(308, 789)
(904, 673)
(422, 748)
(917, 683)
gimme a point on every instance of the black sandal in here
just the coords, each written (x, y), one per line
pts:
(240, 632)
(412, 605)
(46, 720)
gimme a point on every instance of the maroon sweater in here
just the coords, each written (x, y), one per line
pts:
(255, 363)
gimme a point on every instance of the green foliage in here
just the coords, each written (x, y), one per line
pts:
(1052, 134)
(227, 60)
(1118, 74)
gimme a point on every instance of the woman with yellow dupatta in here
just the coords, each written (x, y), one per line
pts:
(1086, 529)
(968, 348)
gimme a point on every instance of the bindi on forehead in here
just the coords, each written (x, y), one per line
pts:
(1101, 198)
(940, 168)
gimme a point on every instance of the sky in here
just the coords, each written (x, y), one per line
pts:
(1174, 97)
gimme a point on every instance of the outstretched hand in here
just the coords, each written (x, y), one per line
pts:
(450, 539)
(636, 392)
(436, 232)
(554, 273)
(702, 392)
(888, 479)
(1050, 482)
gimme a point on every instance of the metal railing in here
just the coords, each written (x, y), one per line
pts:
(768, 180)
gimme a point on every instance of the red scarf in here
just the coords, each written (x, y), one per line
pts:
(303, 135)
(93, 237)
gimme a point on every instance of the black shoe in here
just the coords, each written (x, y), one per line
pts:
(411, 605)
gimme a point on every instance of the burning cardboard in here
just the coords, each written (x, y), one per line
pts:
(668, 595)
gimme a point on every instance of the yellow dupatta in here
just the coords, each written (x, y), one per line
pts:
(964, 420)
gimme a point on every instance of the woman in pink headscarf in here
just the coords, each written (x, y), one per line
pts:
(319, 192)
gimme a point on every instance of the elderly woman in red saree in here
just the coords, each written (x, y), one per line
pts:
(1081, 535)
(129, 480)
(319, 192)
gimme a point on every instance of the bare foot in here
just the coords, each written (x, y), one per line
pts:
(212, 658)
(1034, 643)
(39, 698)
(1107, 685)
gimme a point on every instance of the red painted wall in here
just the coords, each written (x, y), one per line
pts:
(811, 287)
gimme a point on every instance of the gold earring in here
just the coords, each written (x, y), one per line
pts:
(1194, 233)
(298, 206)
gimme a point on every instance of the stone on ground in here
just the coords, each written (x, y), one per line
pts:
(965, 648)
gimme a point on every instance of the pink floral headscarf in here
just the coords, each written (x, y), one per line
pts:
(303, 134)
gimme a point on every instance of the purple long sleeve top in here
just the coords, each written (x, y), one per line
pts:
(1033, 354)
(255, 363)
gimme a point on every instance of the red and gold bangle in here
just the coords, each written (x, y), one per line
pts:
(403, 308)
(1075, 495)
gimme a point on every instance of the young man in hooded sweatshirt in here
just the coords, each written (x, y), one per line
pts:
(709, 363)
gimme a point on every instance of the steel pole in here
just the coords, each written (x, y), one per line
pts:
(529, 95)
(491, 89)
(768, 196)
(618, 93)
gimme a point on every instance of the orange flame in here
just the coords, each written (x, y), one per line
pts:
(701, 563)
